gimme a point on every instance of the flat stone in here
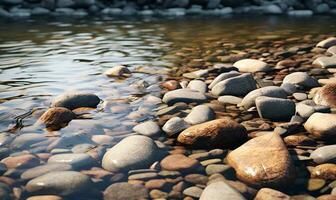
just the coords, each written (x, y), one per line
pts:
(133, 152)
(325, 171)
(200, 114)
(76, 160)
(263, 161)
(216, 168)
(220, 191)
(211, 161)
(325, 130)
(251, 65)
(301, 79)
(193, 192)
(174, 125)
(61, 183)
(228, 99)
(268, 193)
(117, 71)
(304, 110)
(26, 141)
(315, 184)
(325, 154)
(179, 162)
(300, 96)
(75, 100)
(5, 139)
(216, 133)
(325, 62)
(329, 42)
(183, 95)
(326, 95)
(236, 86)
(289, 88)
(332, 50)
(275, 108)
(118, 191)
(21, 161)
(45, 197)
(222, 77)
(198, 85)
(268, 91)
(300, 13)
(196, 74)
(148, 128)
(196, 179)
(56, 118)
(44, 169)
(160, 184)
(157, 194)
(143, 176)
(298, 140)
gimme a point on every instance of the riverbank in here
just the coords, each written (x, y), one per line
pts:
(170, 8)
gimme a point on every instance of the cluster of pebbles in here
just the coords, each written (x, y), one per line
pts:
(258, 128)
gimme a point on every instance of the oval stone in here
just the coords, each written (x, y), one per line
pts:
(76, 100)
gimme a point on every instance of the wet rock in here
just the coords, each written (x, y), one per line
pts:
(40, 11)
(200, 114)
(300, 96)
(325, 171)
(76, 100)
(329, 42)
(21, 162)
(148, 128)
(325, 62)
(216, 168)
(196, 74)
(251, 65)
(222, 77)
(268, 91)
(315, 184)
(193, 192)
(61, 183)
(298, 140)
(300, 13)
(228, 99)
(326, 96)
(196, 179)
(332, 50)
(263, 161)
(160, 184)
(118, 191)
(275, 108)
(133, 152)
(183, 95)
(216, 133)
(27, 140)
(301, 79)
(325, 130)
(143, 176)
(198, 85)
(220, 191)
(56, 118)
(325, 154)
(174, 125)
(76, 160)
(157, 194)
(171, 85)
(179, 162)
(236, 86)
(44, 169)
(45, 197)
(268, 193)
(118, 71)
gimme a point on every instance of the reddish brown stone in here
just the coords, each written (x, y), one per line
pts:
(21, 162)
(268, 194)
(56, 118)
(298, 140)
(171, 85)
(325, 171)
(179, 162)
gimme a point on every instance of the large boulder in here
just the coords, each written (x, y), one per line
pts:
(133, 152)
(216, 133)
(76, 100)
(322, 126)
(326, 96)
(263, 161)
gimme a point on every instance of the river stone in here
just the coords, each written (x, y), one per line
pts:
(220, 191)
(268, 91)
(325, 171)
(216, 133)
(179, 162)
(61, 183)
(325, 154)
(263, 161)
(301, 79)
(304, 110)
(133, 152)
(21, 161)
(329, 42)
(148, 128)
(76, 100)
(26, 141)
(228, 99)
(200, 114)
(198, 85)
(196, 74)
(45, 197)
(236, 86)
(332, 50)
(120, 191)
(183, 95)
(117, 71)
(222, 77)
(56, 118)
(44, 169)
(326, 96)
(325, 130)
(289, 88)
(193, 192)
(325, 62)
(275, 108)
(174, 125)
(76, 160)
(271, 194)
(251, 65)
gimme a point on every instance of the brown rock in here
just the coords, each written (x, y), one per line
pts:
(270, 194)
(179, 162)
(298, 140)
(325, 130)
(326, 96)
(21, 162)
(216, 133)
(171, 85)
(263, 161)
(45, 197)
(160, 184)
(325, 171)
(56, 118)
(327, 197)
